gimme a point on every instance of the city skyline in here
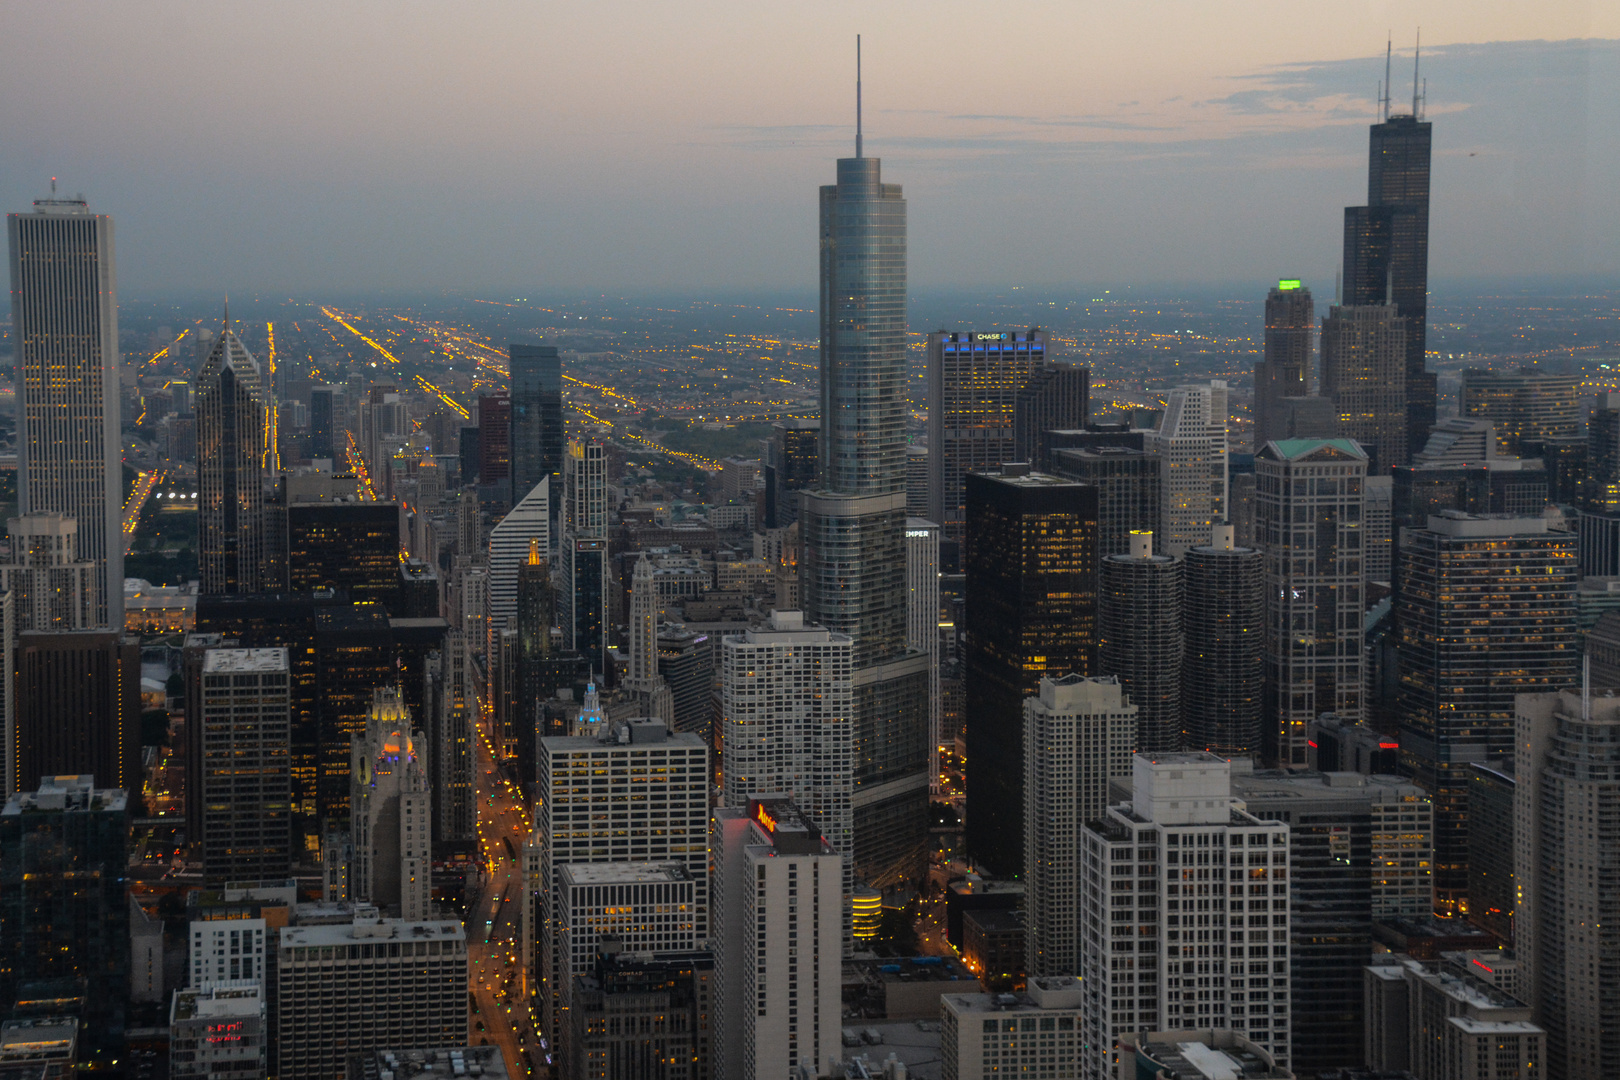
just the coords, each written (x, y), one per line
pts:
(1251, 117)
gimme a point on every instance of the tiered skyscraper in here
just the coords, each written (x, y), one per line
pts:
(1386, 246)
(584, 552)
(235, 456)
(1285, 370)
(1191, 446)
(391, 808)
(64, 318)
(852, 524)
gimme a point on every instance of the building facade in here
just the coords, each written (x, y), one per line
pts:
(1191, 445)
(1223, 670)
(391, 813)
(1140, 638)
(1363, 373)
(922, 626)
(246, 768)
(236, 463)
(1285, 368)
(1056, 396)
(536, 437)
(1524, 406)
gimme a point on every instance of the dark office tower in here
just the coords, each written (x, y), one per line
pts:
(323, 421)
(64, 326)
(1139, 638)
(1223, 675)
(916, 481)
(536, 615)
(1486, 610)
(471, 453)
(973, 386)
(1309, 506)
(354, 656)
(64, 914)
(352, 546)
(1031, 611)
(1524, 406)
(790, 466)
(78, 706)
(1285, 370)
(235, 463)
(686, 663)
(852, 522)
(1130, 490)
(1386, 248)
(494, 438)
(1056, 397)
(536, 445)
(245, 802)
(1362, 356)
(1491, 899)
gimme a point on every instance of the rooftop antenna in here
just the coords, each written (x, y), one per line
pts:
(1389, 46)
(857, 95)
(227, 314)
(1416, 53)
(53, 187)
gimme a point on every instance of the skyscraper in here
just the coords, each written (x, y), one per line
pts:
(536, 438)
(1386, 246)
(1566, 831)
(323, 420)
(1079, 734)
(64, 318)
(852, 524)
(77, 707)
(1486, 610)
(1363, 350)
(246, 772)
(790, 466)
(585, 552)
(509, 542)
(1309, 506)
(1524, 406)
(922, 623)
(1031, 611)
(391, 812)
(51, 587)
(1223, 675)
(1056, 397)
(494, 438)
(1196, 962)
(235, 457)
(1140, 640)
(786, 708)
(974, 380)
(1191, 446)
(1285, 370)
(1130, 490)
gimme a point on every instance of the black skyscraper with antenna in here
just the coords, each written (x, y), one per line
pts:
(1386, 243)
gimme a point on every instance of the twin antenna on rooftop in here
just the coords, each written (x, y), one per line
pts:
(1420, 91)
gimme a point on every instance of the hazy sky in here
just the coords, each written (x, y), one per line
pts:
(623, 146)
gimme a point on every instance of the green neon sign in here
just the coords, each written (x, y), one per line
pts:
(1288, 283)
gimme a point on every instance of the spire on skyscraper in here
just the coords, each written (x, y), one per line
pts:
(857, 95)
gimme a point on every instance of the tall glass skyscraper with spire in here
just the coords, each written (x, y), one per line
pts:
(852, 522)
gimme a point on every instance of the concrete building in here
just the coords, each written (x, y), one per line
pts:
(1284, 370)
(52, 587)
(1566, 830)
(1223, 626)
(1363, 369)
(1314, 587)
(219, 1032)
(778, 937)
(1140, 640)
(1200, 1054)
(1360, 851)
(642, 1014)
(786, 710)
(1441, 1022)
(39, 1048)
(246, 766)
(391, 813)
(1079, 733)
(1525, 406)
(64, 317)
(1486, 610)
(634, 793)
(1204, 950)
(350, 987)
(1038, 1034)
(1191, 445)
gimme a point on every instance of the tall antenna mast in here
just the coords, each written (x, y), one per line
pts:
(857, 95)
(1389, 46)
(1416, 53)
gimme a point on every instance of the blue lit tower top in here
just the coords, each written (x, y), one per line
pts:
(863, 328)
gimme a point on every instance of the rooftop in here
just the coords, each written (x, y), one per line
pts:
(485, 1061)
(218, 661)
(364, 928)
(624, 873)
(67, 793)
(236, 998)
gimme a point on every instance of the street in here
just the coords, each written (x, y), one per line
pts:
(494, 918)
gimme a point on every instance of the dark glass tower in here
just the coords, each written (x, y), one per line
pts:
(1031, 570)
(1386, 249)
(1056, 397)
(791, 467)
(1286, 368)
(234, 459)
(322, 417)
(537, 420)
(852, 522)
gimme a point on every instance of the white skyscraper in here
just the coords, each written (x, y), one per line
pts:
(778, 932)
(583, 589)
(635, 793)
(64, 329)
(509, 543)
(657, 699)
(922, 624)
(1191, 446)
(786, 701)
(52, 588)
(390, 812)
(1195, 892)
(1079, 734)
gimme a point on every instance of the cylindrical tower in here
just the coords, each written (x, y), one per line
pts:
(1140, 638)
(1224, 670)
